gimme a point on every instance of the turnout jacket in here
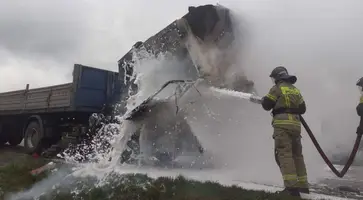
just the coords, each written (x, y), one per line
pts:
(360, 113)
(286, 103)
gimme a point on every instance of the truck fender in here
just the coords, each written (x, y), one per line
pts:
(34, 118)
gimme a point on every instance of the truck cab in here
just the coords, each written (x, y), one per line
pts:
(207, 26)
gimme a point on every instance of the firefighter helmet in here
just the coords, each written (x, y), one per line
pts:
(281, 73)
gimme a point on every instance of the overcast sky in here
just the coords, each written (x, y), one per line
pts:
(40, 40)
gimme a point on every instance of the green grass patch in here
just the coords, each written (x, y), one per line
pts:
(15, 174)
(138, 186)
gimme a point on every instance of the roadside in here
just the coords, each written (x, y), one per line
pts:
(15, 168)
(15, 176)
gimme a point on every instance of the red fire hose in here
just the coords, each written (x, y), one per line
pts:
(325, 158)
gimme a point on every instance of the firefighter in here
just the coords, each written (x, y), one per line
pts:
(287, 105)
(360, 106)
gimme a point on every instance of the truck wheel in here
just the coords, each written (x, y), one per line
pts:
(33, 138)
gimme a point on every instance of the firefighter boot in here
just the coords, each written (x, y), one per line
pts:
(290, 191)
(304, 190)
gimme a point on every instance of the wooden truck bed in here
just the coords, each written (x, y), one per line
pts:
(90, 90)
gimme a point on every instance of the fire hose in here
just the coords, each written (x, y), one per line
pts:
(258, 100)
(325, 158)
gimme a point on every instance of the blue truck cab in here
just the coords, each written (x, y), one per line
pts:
(95, 89)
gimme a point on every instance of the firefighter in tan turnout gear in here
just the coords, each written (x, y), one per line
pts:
(287, 104)
(360, 106)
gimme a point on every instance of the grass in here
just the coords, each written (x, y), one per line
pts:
(15, 176)
(139, 186)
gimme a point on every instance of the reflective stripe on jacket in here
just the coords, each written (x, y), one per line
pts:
(285, 96)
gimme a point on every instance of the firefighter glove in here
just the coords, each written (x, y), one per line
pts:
(256, 99)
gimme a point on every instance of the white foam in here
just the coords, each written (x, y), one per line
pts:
(226, 178)
(231, 93)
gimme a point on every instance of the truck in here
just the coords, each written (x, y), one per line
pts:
(53, 117)
(202, 44)
(44, 116)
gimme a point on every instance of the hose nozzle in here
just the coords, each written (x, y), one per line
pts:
(256, 99)
(242, 95)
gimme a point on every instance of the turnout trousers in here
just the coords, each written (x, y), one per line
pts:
(289, 157)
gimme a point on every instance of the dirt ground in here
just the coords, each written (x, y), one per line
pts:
(352, 183)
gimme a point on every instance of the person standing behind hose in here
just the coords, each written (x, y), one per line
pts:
(360, 107)
(287, 104)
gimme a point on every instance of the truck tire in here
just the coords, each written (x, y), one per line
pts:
(33, 138)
